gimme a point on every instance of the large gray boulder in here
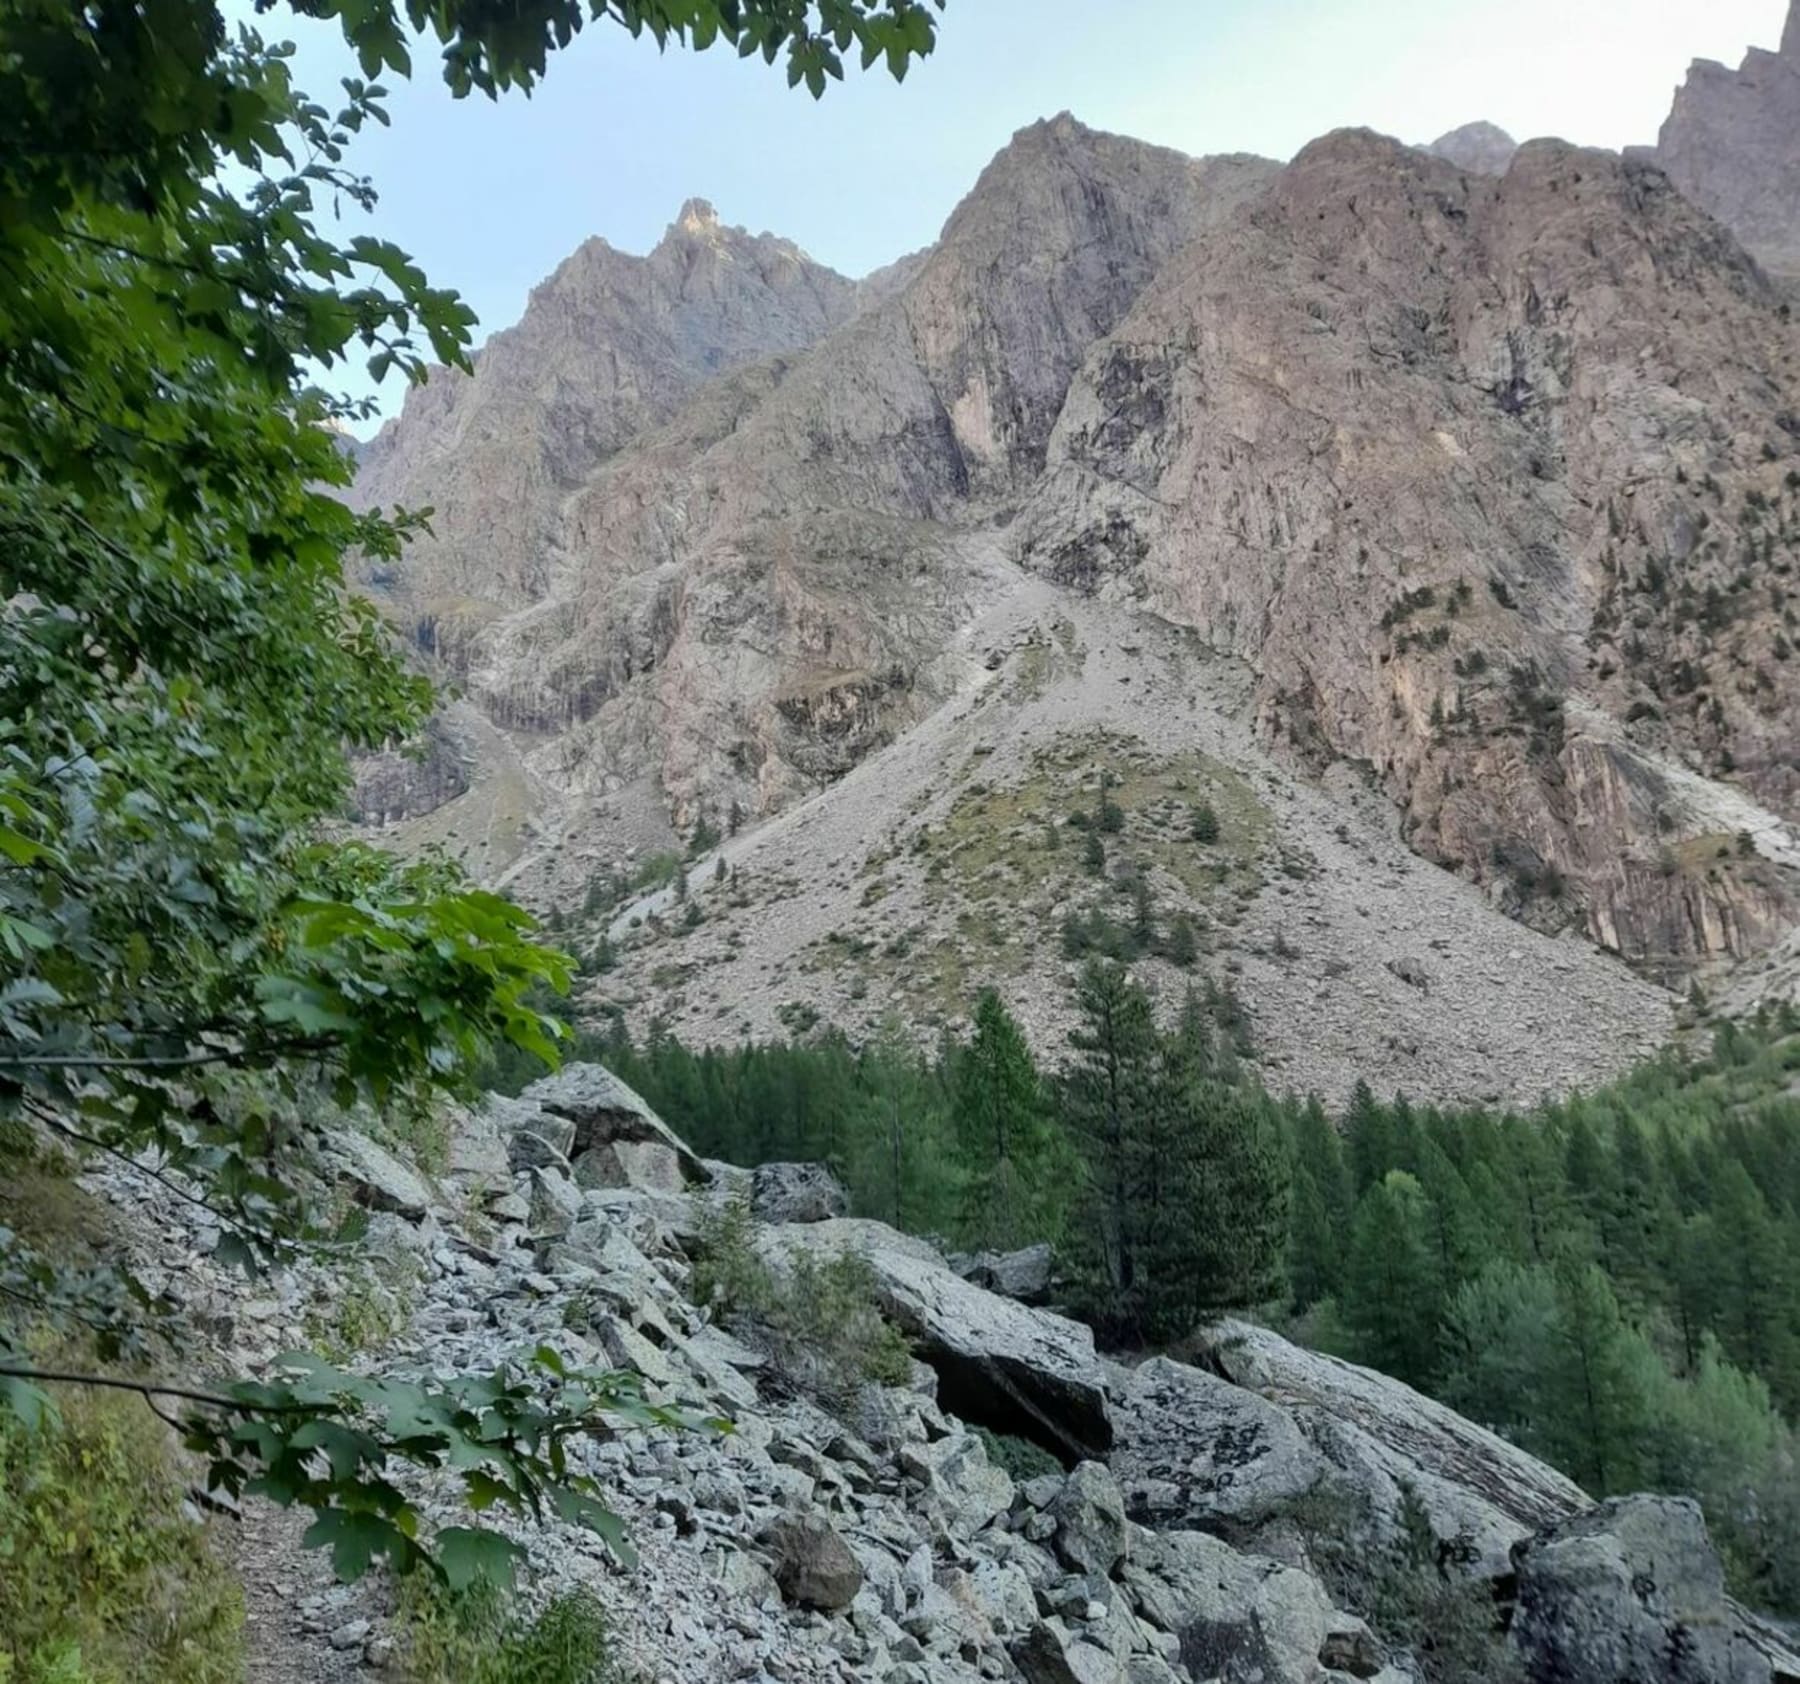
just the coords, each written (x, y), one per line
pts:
(781, 1193)
(1379, 1440)
(1026, 1274)
(377, 1179)
(812, 1564)
(1089, 1512)
(1195, 1450)
(999, 1363)
(1633, 1591)
(617, 1140)
(1242, 1617)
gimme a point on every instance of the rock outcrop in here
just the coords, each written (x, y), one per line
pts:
(609, 345)
(1731, 143)
(1632, 1590)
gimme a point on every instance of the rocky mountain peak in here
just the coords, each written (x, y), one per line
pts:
(697, 217)
(1729, 145)
(1481, 148)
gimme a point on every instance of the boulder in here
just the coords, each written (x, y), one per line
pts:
(1089, 1512)
(1633, 1590)
(478, 1158)
(1025, 1274)
(1240, 1616)
(378, 1179)
(529, 1150)
(645, 1164)
(555, 1201)
(812, 1565)
(961, 1484)
(1379, 1439)
(781, 1193)
(1000, 1364)
(1193, 1450)
(604, 1111)
(1047, 1654)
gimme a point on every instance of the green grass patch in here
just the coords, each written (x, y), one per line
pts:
(480, 1636)
(103, 1579)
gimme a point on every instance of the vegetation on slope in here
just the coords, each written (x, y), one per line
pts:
(1612, 1281)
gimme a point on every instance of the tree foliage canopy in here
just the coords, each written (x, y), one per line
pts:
(187, 956)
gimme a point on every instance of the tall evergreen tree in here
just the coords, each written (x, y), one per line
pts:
(1393, 1282)
(1001, 1132)
(1108, 1091)
(1604, 1386)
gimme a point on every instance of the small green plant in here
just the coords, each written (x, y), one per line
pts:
(102, 1577)
(817, 1316)
(369, 1304)
(1019, 1457)
(1412, 1600)
(481, 1636)
(1204, 824)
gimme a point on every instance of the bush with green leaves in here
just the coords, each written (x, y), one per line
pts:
(481, 1636)
(182, 668)
(1413, 1600)
(817, 1316)
(103, 1578)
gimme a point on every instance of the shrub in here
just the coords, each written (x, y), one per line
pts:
(815, 1316)
(1204, 826)
(1019, 1457)
(103, 1580)
(1447, 1621)
(479, 1636)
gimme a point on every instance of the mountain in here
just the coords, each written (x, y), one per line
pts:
(609, 345)
(1494, 485)
(1408, 515)
(1479, 147)
(1729, 144)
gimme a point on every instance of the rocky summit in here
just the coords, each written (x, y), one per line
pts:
(1233, 1516)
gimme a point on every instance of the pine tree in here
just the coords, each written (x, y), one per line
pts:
(1143, 915)
(1322, 1211)
(1501, 1331)
(1093, 853)
(1107, 1090)
(998, 1117)
(1368, 1137)
(1393, 1284)
(1603, 1398)
(1181, 947)
(1203, 825)
(1109, 816)
(1236, 1236)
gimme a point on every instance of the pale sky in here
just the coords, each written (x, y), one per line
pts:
(490, 197)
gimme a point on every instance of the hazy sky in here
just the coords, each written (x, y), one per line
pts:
(490, 197)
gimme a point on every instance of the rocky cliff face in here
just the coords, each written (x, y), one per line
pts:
(1729, 144)
(1494, 483)
(609, 345)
